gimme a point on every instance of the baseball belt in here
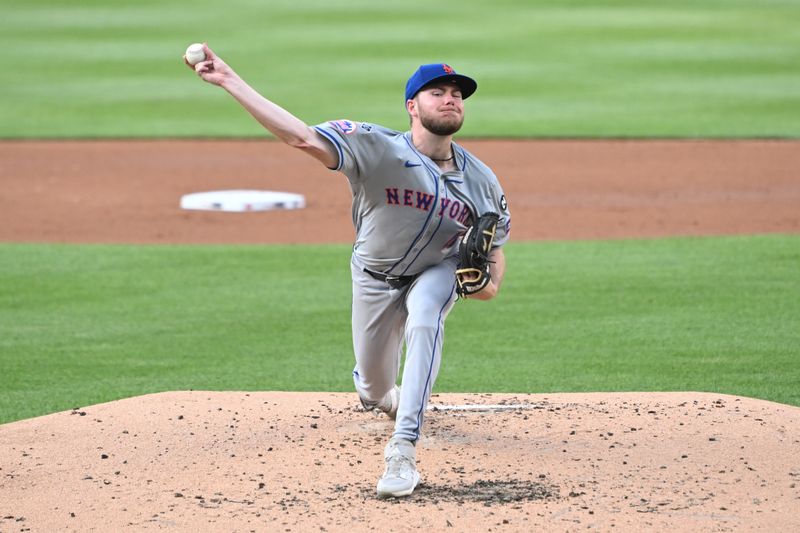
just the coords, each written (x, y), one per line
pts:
(395, 282)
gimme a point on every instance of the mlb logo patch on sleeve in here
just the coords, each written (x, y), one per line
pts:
(344, 126)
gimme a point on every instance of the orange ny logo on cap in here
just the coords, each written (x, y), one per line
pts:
(447, 68)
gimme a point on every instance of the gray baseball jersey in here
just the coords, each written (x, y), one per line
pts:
(408, 216)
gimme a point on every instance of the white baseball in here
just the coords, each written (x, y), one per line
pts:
(195, 54)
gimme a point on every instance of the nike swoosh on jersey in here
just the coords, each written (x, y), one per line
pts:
(409, 164)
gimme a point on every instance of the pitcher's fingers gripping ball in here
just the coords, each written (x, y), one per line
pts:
(473, 255)
(195, 54)
(208, 65)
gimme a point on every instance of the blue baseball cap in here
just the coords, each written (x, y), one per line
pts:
(431, 72)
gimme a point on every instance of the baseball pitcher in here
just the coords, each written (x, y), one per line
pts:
(430, 220)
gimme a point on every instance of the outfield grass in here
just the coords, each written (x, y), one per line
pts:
(90, 323)
(627, 68)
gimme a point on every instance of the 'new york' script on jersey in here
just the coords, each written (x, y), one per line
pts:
(423, 200)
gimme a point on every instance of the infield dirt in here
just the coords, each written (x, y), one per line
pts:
(130, 191)
(270, 461)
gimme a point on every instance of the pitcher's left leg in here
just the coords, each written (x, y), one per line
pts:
(428, 302)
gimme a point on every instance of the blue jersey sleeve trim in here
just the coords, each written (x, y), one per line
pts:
(335, 143)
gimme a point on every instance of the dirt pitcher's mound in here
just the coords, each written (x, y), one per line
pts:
(273, 461)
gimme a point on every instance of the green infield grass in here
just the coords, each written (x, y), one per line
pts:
(83, 324)
(609, 68)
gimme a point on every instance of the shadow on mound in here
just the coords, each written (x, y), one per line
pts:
(484, 491)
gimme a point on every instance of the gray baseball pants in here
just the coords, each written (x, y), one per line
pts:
(384, 319)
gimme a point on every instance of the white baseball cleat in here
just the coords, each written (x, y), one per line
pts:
(386, 405)
(400, 477)
(390, 402)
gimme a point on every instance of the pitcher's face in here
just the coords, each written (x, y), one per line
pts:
(440, 108)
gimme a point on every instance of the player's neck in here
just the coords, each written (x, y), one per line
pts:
(437, 147)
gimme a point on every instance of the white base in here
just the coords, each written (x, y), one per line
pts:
(242, 200)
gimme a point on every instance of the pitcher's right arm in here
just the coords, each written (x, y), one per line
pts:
(281, 123)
